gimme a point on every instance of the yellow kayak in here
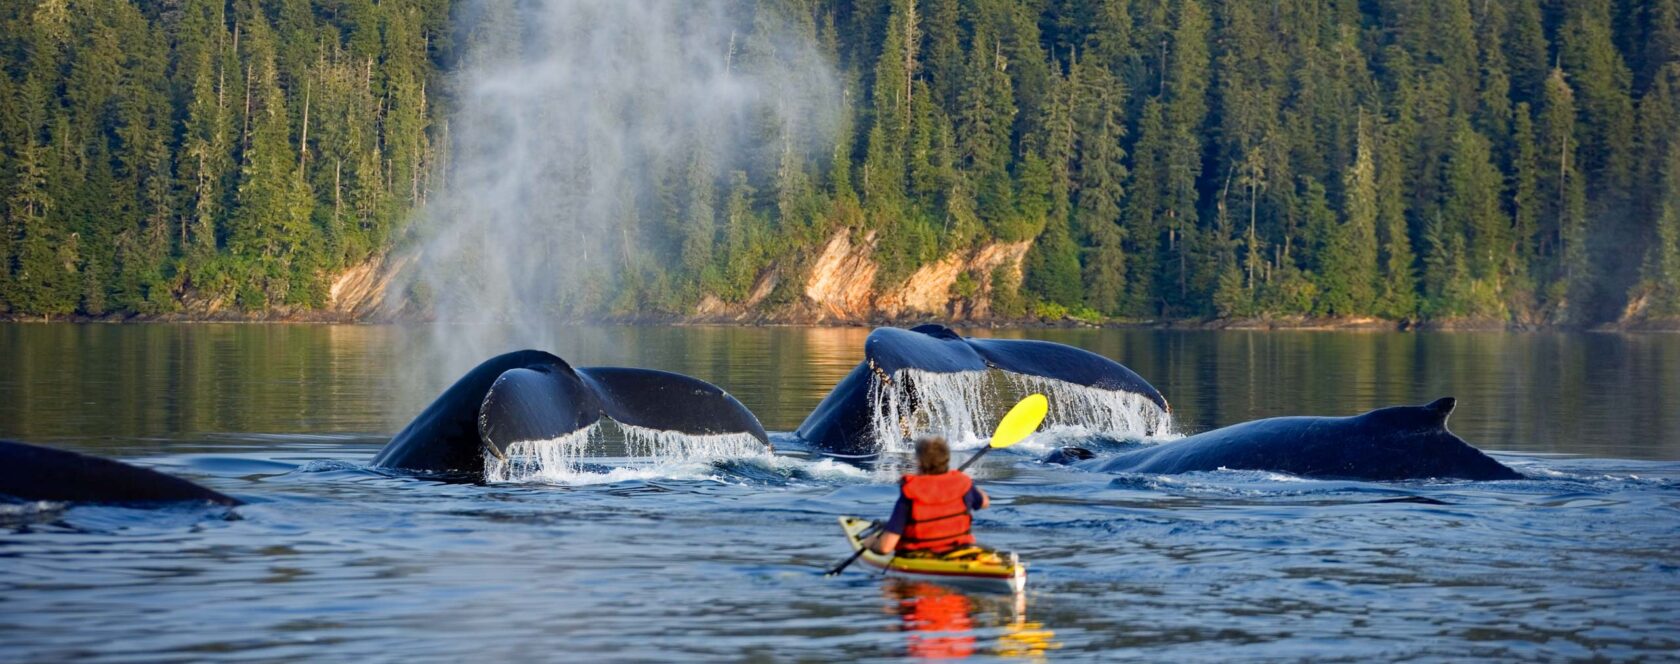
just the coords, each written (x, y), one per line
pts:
(995, 570)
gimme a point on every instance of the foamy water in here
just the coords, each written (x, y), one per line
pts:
(965, 406)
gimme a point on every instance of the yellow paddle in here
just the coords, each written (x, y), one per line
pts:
(1020, 422)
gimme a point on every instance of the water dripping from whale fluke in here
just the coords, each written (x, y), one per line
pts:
(913, 403)
(677, 446)
(566, 460)
(964, 407)
(1111, 413)
(537, 460)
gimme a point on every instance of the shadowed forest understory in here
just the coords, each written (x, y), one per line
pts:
(1502, 162)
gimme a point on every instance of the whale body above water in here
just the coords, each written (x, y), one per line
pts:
(1386, 444)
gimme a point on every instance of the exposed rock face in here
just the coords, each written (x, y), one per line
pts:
(841, 282)
(713, 308)
(364, 292)
(1638, 315)
(930, 290)
(835, 286)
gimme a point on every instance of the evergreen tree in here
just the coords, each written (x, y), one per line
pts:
(1348, 261)
(1473, 216)
(1052, 272)
(267, 231)
(1052, 269)
(699, 214)
(1601, 80)
(42, 278)
(1187, 85)
(1526, 52)
(1662, 268)
(1525, 194)
(1143, 228)
(984, 120)
(1563, 224)
(1397, 294)
(884, 167)
(1662, 41)
(1097, 208)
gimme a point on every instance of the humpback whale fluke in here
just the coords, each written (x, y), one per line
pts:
(33, 472)
(530, 395)
(847, 421)
(1394, 443)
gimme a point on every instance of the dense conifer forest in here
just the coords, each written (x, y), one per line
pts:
(1509, 161)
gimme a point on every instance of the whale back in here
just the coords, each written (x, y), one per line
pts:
(1396, 443)
(33, 472)
(1419, 444)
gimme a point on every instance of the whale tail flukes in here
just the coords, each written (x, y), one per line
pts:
(529, 396)
(931, 379)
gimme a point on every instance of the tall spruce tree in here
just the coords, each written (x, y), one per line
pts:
(1564, 223)
(1097, 208)
(1348, 260)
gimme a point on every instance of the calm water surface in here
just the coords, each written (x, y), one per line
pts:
(722, 560)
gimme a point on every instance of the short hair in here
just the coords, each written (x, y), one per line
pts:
(933, 456)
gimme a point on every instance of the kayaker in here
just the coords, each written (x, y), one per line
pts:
(933, 513)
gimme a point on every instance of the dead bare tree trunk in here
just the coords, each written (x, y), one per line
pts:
(303, 140)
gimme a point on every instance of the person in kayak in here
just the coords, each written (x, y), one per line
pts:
(934, 510)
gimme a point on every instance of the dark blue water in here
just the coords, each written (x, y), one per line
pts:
(721, 559)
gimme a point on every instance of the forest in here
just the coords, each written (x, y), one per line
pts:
(1504, 161)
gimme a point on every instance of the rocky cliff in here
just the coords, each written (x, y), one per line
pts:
(835, 286)
(838, 285)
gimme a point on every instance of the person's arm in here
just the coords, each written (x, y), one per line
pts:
(886, 541)
(977, 499)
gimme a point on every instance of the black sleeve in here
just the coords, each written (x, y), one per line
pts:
(900, 516)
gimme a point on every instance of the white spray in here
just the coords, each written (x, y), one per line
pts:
(574, 130)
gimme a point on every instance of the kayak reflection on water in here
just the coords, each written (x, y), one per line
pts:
(939, 622)
(1026, 638)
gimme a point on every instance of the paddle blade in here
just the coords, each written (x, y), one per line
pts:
(1021, 421)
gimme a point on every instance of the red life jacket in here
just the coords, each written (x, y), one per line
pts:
(939, 518)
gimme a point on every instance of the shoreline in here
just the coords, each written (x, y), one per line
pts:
(1279, 324)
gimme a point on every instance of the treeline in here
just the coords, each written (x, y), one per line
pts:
(233, 153)
(1500, 160)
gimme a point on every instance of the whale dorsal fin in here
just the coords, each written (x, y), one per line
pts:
(1442, 407)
